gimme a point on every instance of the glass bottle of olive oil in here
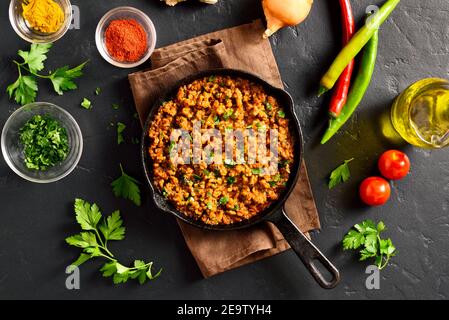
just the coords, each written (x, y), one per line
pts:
(421, 113)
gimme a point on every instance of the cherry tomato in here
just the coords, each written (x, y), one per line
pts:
(394, 164)
(375, 191)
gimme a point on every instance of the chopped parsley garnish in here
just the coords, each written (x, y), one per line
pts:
(115, 106)
(120, 128)
(268, 106)
(283, 164)
(256, 170)
(171, 146)
(86, 104)
(45, 142)
(230, 180)
(260, 126)
(185, 180)
(281, 114)
(228, 114)
(275, 180)
(97, 91)
(223, 200)
(229, 162)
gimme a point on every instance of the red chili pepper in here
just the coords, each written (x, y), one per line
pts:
(340, 93)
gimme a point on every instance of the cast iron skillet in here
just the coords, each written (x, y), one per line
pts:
(304, 248)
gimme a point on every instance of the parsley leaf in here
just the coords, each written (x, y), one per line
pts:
(24, 90)
(36, 56)
(367, 226)
(353, 240)
(366, 237)
(120, 129)
(112, 228)
(126, 187)
(62, 78)
(87, 215)
(93, 245)
(340, 175)
(97, 91)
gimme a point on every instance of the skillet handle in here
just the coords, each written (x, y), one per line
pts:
(307, 251)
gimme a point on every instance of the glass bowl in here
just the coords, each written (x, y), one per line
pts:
(125, 13)
(12, 149)
(22, 28)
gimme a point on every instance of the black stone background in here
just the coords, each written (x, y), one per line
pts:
(35, 219)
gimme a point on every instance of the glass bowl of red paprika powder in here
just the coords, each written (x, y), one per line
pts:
(125, 37)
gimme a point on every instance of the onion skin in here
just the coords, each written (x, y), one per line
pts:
(284, 13)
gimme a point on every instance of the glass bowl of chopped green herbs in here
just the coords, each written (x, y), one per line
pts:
(41, 142)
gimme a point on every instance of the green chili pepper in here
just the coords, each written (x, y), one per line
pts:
(358, 89)
(357, 42)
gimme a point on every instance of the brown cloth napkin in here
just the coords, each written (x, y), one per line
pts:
(241, 48)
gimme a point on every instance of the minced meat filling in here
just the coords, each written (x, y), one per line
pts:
(220, 193)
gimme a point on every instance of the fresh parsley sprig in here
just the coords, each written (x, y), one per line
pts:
(340, 175)
(126, 187)
(97, 231)
(366, 237)
(25, 88)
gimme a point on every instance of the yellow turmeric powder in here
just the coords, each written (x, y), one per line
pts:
(43, 15)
